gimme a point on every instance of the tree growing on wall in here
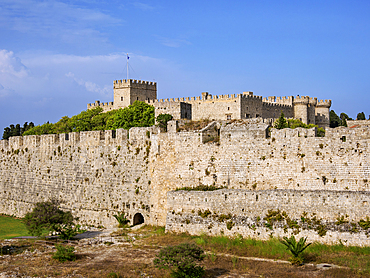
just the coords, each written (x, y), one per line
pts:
(138, 114)
(361, 116)
(334, 119)
(16, 130)
(162, 120)
(281, 122)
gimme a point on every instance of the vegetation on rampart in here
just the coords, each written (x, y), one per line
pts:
(282, 122)
(139, 114)
(16, 130)
(201, 187)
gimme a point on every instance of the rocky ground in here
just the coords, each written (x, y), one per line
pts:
(130, 253)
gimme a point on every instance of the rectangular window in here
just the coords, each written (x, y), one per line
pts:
(113, 134)
(121, 98)
(228, 117)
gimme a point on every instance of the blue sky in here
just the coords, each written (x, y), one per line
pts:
(57, 56)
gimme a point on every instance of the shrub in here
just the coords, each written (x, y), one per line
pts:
(64, 253)
(122, 220)
(181, 259)
(162, 120)
(296, 248)
(47, 216)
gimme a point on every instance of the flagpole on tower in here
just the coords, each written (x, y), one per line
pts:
(127, 63)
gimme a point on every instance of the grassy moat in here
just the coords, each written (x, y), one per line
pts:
(130, 253)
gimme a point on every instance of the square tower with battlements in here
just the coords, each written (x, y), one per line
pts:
(126, 92)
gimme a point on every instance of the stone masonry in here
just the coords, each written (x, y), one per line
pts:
(98, 174)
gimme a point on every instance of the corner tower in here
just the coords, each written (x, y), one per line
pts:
(126, 92)
(300, 105)
(322, 113)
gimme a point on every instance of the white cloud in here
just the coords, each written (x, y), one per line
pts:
(90, 86)
(55, 20)
(11, 66)
(173, 42)
(143, 6)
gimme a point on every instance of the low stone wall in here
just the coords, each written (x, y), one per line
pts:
(324, 216)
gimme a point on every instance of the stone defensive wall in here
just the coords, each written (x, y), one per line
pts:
(325, 216)
(107, 106)
(97, 174)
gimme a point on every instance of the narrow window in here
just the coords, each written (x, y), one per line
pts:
(121, 98)
(343, 139)
(66, 137)
(113, 134)
(137, 98)
(228, 108)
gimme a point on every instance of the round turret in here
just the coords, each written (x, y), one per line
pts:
(301, 108)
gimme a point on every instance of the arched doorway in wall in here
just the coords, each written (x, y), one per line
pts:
(138, 219)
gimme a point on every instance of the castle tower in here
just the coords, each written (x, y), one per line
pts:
(322, 113)
(126, 92)
(311, 113)
(301, 108)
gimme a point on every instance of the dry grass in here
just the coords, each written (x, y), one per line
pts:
(134, 259)
(194, 125)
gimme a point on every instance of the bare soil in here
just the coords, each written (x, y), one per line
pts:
(131, 254)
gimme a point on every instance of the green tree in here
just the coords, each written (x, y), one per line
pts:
(334, 119)
(361, 116)
(138, 114)
(343, 119)
(181, 259)
(162, 120)
(281, 122)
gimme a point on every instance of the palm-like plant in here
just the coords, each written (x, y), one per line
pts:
(296, 248)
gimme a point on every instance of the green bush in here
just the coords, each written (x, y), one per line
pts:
(64, 253)
(181, 259)
(122, 220)
(47, 216)
(162, 120)
(296, 248)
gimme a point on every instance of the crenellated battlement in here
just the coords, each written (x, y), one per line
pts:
(244, 105)
(301, 100)
(85, 138)
(132, 82)
(105, 105)
(323, 103)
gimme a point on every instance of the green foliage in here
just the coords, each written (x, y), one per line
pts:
(139, 114)
(281, 122)
(361, 116)
(336, 121)
(162, 120)
(181, 259)
(320, 132)
(47, 216)
(64, 253)
(294, 123)
(122, 220)
(296, 248)
(16, 130)
(201, 187)
(204, 214)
